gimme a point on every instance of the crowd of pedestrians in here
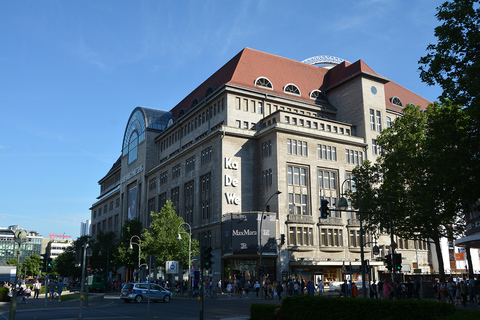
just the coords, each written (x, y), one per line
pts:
(459, 292)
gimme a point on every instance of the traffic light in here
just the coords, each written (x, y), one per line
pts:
(398, 262)
(282, 240)
(262, 270)
(207, 257)
(49, 265)
(388, 262)
(44, 262)
(78, 253)
(324, 211)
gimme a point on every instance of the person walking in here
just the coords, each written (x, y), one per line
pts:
(51, 288)
(37, 286)
(256, 286)
(279, 290)
(60, 287)
(320, 288)
(373, 290)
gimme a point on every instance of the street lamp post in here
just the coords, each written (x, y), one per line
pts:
(139, 244)
(260, 240)
(179, 238)
(20, 236)
(343, 204)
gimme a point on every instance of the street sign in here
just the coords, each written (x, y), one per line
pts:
(192, 271)
(89, 269)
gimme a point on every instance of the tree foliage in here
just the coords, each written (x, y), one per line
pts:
(104, 247)
(454, 62)
(122, 256)
(423, 176)
(160, 239)
(65, 263)
(32, 264)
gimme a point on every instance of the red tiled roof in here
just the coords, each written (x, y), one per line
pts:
(393, 89)
(243, 69)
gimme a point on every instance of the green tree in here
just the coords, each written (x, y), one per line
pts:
(33, 265)
(123, 256)
(419, 176)
(454, 62)
(104, 248)
(12, 261)
(65, 263)
(160, 239)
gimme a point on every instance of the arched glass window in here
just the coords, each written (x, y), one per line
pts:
(195, 102)
(292, 89)
(264, 83)
(209, 91)
(317, 95)
(396, 101)
(132, 147)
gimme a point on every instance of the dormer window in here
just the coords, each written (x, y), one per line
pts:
(182, 112)
(318, 95)
(209, 91)
(291, 89)
(263, 83)
(396, 101)
(194, 103)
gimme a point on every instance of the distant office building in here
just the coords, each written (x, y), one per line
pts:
(57, 244)
(85, 228)
(8, 246)
(258, 125)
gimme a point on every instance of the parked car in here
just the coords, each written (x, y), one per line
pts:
(139, 292)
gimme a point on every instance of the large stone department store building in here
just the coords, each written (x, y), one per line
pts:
(259, 124)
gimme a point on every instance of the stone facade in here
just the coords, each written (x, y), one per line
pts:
(229, 148)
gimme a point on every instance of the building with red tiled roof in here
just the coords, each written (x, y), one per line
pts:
(258, 125)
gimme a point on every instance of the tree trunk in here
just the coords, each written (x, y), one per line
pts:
(438, 249)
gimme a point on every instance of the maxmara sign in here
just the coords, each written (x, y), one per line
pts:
(231, 182)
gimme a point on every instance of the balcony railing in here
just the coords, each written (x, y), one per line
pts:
(332, 221)
(299, 218)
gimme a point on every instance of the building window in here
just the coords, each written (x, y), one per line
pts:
(331, 237)
(267, 149)
(297, 176)
(190, 164)
(264, 83)
(152, 185)
(374, 146)
(297, 147)
(327, 179)
(372, 119)
(389, 122)
(353, 156)
(245, 124)
(300, 236)
(175, 195)
(206, 155)
(396, 101)
(298, 204)
(163, 178)
(162, 200)
(379, 121)
(291, 89)
(326, 152)
(176, 171)
(189, 198)
(260, 108)
(267, 177)
(206, 196)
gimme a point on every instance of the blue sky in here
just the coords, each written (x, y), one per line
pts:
(71, 72)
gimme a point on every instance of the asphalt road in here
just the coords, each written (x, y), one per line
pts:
(112, 307)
